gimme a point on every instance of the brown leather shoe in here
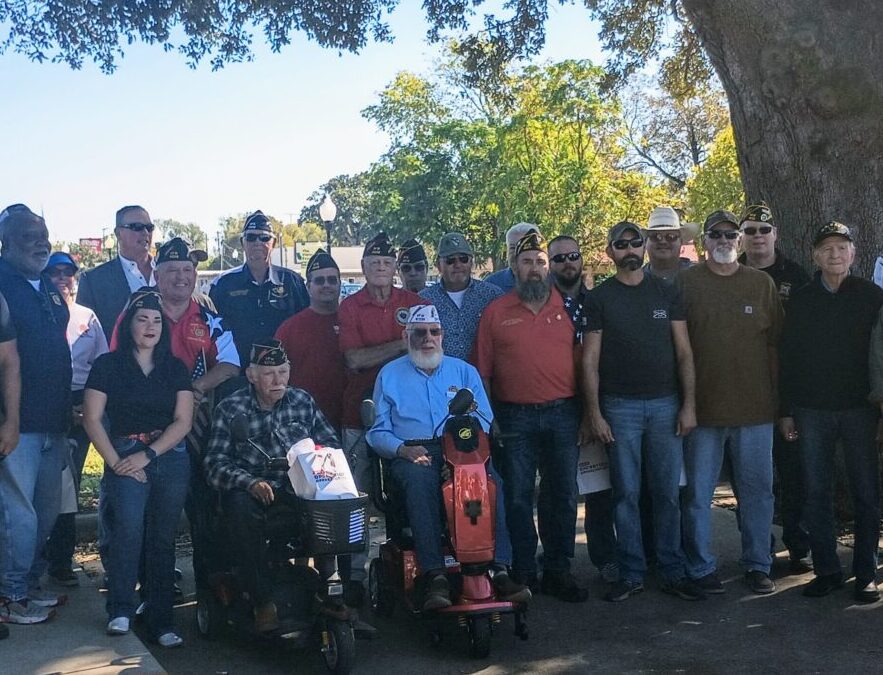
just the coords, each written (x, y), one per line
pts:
(265, 618)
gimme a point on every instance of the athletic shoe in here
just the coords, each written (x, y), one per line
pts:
(118, 626)
(169, 640)
(822, 585)
(760, 582)
(610, 572)
(684, 589)
(709, 584)
(67, 578)
(866, 594)
(622, 590)
(46, 599)
(23, 612)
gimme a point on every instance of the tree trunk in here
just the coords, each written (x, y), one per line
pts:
(803, 79)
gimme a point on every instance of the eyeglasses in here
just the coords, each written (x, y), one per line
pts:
(717, 234)
(573, 256)
(263, 238)
(763, 229)
(421, 332)
(622, 244)
(664, 236)
(417, 267)
(138, 227)
(321, 281)
(62, 272)
(462, 259)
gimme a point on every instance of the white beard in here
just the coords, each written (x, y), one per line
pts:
(724, 256)
(425, 361)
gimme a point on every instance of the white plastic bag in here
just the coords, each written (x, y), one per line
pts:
(317, 472)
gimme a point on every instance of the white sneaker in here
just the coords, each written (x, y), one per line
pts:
(43, 598)
(169, 640)
(23, 612)
(141, 609)
(118, 626)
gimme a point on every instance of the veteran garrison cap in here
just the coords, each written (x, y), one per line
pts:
(411, 252)
(267, 352)
(257, 221)
(532, 241)
(320, 260)
(179, 249)
(379, 245)
(758, 213)
(146, 297)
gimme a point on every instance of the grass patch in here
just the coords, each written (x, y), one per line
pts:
(92, 472)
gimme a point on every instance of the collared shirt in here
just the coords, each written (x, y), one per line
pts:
(411, 404)
(87, 342)
(504, 279)
(461, 323)
(365, 323)
(40, 319)
(201, 341)
(253, 309)
(134, 276)
(237, 466)
(529, 358)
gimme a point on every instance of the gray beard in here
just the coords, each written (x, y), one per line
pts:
(532, 291)
(724, 257)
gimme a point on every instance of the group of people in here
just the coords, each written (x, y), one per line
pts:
(673, 366)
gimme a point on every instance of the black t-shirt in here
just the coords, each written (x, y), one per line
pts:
(136, 403)
(637, 350)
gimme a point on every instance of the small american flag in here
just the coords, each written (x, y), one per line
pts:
(201, 415)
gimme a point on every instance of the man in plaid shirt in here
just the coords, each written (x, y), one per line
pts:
(251, 492)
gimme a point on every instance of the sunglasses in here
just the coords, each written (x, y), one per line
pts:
(263, 238)
(462, 259)
(763, 229)
(321, 281)
(421, 332)
(573, 256)
(623, 244)
(664, 236)
(417, 267)
(62, 272)
(139, 227)
(717, 234)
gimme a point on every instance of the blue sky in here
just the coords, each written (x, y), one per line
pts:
(196, 145)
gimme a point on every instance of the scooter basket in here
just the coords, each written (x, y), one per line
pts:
(334, 526)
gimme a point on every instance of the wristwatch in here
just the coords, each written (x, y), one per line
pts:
(150, 453)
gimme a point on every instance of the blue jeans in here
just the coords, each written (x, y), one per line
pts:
(751, 455)
(818, 430)
(63, 540)
(30, 496)
(421, 487)
(145, 514)
(546, 439)
(632, 422)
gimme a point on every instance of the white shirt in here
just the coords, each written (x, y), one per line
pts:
(133, 274)
(457, 297)
(86, 339)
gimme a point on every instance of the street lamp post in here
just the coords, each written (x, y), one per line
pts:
(328, 212)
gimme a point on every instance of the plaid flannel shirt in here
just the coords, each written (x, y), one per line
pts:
(231, 466)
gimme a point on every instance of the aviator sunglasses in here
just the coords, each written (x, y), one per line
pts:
(462, 259)
(666, 236)
(321, 281)
(421, 332)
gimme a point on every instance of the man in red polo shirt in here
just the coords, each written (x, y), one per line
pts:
(310, 338)
(525, 355)
(371, 324)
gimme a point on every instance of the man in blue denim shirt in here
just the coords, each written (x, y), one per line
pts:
(458, 297)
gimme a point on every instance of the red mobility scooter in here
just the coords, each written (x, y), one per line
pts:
(469, 495)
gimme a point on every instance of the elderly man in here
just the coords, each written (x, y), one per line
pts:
(107, 288)
(371, 322)
(735, 319)
(825, 397)
(251, 492)
(759, 234)
(412, 266)
(525, 354)
(411, 396)
(665, 238)
(640, 401)
(505, 278)
(566, 272)
(30, 476)
(255, 298)
(458, 297)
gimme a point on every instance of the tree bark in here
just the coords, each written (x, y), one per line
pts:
(803, 80)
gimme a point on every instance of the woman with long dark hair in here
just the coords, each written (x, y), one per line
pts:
(147, 396)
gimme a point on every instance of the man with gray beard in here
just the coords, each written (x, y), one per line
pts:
(525, 354)
(411, 397)
(734, 318)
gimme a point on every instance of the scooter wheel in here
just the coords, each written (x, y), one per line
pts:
(379, 591)
(479, 637)
(340, 650)
(210, 613)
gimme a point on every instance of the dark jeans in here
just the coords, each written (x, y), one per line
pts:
(145, 514)
(546, 439)
(63, 540)
(790, 495)
(199, 507)
(819, 431)
(598, 525)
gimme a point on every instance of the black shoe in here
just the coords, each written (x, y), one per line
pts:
(866, 593)
(799, 564)
(760, 582)
(508, 591)
(354, 594)
(528, 579)
(65, 577)
(438, 594)
(622, 590)
(684, 589)
(709, 584)
(4, 631)
(563, 586)
(822, 585)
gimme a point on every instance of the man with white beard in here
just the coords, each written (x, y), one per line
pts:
(734, 318)
(411, 399)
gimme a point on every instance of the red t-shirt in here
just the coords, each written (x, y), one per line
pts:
(528, 358)
(364, 323)
(317, 366)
